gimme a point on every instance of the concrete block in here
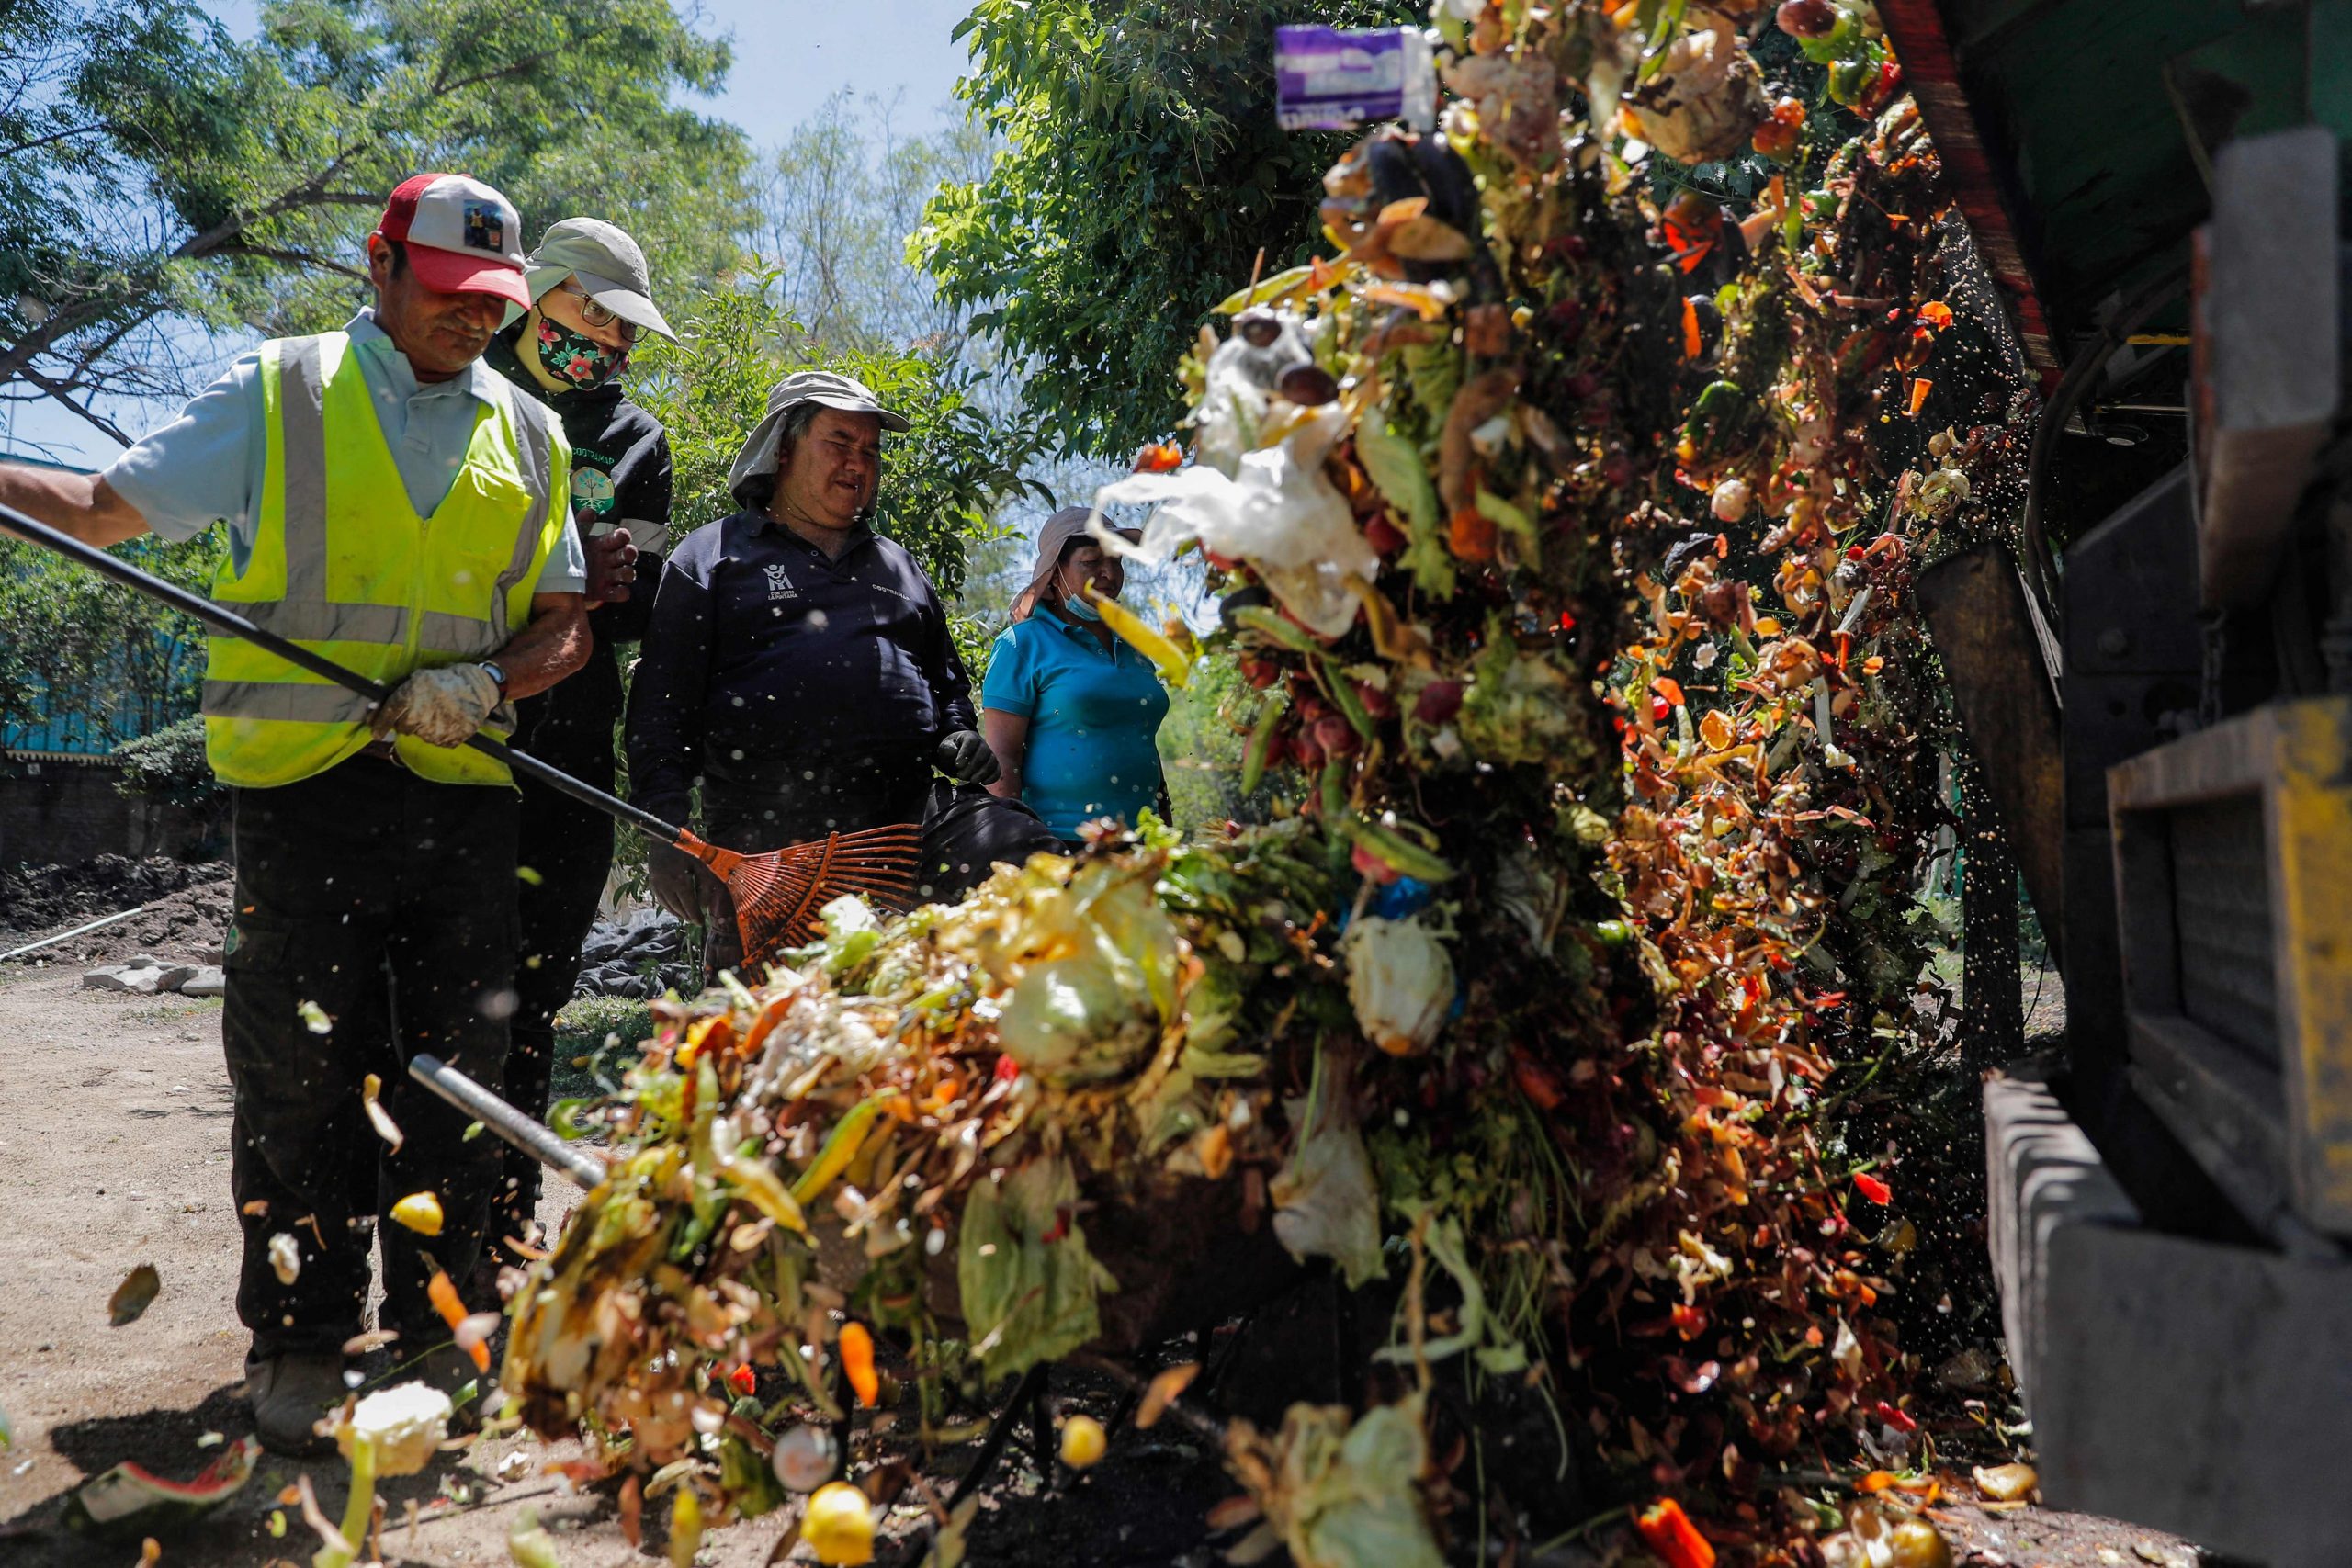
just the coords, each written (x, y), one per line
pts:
(141, 982)
(2043, 1178)
(2171, 1382)
(210, 980)
(2183, 1381)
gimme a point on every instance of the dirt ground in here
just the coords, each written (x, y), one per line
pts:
(116, 1153)
(183, 909)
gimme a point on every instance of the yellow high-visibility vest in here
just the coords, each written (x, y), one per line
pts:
(341, 564)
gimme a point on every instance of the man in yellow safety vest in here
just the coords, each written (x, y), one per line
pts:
(392, 505)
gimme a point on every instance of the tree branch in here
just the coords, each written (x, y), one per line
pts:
(56, 136)
(18, 357)
(58, 391)
(242, 247)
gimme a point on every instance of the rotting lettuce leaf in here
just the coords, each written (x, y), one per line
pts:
(1093, 977)
(1326, 1202)
(1028, 1299)
(1349, 1496)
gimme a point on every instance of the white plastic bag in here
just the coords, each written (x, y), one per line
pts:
(1279, 513)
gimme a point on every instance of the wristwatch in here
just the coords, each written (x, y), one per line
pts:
(497, 673)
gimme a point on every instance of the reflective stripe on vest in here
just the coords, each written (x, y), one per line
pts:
(306, 613)
(285, 699)
(269, 724)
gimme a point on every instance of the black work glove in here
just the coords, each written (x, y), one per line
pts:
(965, 757)
(676, 879)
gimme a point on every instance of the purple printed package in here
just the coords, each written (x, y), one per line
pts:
(1336, 79)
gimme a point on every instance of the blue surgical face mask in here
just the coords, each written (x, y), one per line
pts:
(1083, 609)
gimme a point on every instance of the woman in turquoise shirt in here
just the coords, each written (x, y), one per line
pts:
(1072, 711)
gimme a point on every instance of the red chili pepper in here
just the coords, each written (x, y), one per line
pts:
(743, 1380)
(1669, 1532)
(1871, 1188)
(1006, 1069)
(1899, 1419)
(1536, 1081)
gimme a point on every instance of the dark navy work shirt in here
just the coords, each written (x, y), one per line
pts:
(765, 664)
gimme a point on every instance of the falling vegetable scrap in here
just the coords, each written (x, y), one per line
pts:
(1083, 1442)
(134, 1295)
(378, 1117)
(391, 1433)
(839, 1526)
(131, 1501)
(1565, 533)
(420, 1212)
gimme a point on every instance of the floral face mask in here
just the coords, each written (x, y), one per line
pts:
(577, 357)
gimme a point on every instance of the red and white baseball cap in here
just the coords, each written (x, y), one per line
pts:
(463, 237)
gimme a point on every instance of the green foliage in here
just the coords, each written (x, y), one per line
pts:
(230, 184)
(837, 202)
(78, 644)
(583, 1022)
(942, 480)
(1141, 172)
(1200, 742)
(169, 766)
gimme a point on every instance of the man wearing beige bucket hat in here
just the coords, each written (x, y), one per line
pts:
(592, 301)
(798, 667)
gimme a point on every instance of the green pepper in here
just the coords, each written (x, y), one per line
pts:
(1276, 628)
(1397, 849)
(1335, 788)
(1350, 706)
(840, 1147)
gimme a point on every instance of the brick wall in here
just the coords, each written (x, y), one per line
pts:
(56, 813)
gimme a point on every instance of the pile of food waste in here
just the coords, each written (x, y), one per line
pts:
(1564, 522)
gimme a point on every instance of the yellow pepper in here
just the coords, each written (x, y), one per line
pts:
(841, 1147)
(1174, 663)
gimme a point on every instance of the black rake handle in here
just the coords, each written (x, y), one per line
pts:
(15, 522)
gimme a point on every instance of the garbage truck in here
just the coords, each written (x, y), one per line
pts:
(2155, 672)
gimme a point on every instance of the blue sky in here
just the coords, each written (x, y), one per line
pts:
(789, 56)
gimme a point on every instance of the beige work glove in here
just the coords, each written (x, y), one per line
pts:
(440, 708)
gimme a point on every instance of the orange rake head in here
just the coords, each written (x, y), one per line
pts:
(778, 893)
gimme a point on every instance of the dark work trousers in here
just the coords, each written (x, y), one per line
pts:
(966, 832)
(381, 907)
(564, 850)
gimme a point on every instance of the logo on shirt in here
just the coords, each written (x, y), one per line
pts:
(592, 491)
(779, 584)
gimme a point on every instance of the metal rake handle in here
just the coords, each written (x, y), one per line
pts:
(583, 1168)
